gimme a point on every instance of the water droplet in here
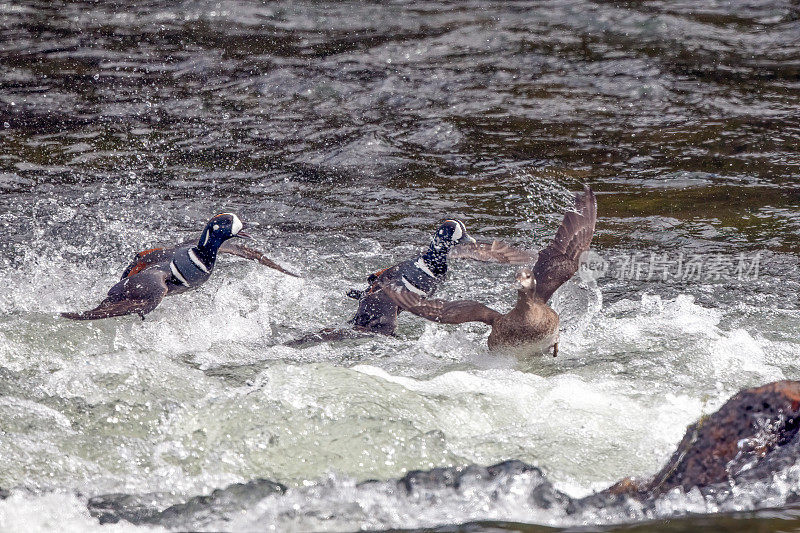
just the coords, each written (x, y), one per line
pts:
(6, 124)
(96, 76)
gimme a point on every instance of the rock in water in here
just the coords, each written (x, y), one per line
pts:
(752, 436)
(137, 509)
(144, 509)
(201, 510)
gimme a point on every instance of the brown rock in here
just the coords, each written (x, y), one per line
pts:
(624, 486)
(745, 430)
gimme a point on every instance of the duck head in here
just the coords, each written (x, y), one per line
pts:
(221, 228)
(526, 280)
(449, 234)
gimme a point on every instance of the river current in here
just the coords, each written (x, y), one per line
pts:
(343, 132)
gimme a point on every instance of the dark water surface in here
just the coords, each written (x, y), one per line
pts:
(345, 131)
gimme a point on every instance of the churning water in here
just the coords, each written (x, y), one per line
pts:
(345, 131)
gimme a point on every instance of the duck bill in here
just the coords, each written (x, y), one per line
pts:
(469, 239)
(242, 235)
(525, 280)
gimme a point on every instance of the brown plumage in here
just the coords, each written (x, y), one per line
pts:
(494, 252)
(532, 325)
(138, 294)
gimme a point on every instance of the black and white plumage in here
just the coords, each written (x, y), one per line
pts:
(421, 275)
(152, 256)
(161, 272)
(531, 327)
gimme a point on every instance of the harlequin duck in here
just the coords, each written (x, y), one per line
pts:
(160, 272)
(531, 327)
(422, 275)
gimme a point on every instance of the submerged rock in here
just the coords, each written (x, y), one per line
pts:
(221, 502)
(137, 509)
(143, 509)
(492, 478)
(4, 494)
(454, 477)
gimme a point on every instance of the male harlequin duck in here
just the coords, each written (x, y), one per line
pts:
(531, 327)
(422, 275)
(160, 272)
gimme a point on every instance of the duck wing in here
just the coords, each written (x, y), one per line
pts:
(147, 258)
(442, 311)
(234, 248)
(496, 251)
(559, 261)
(139, 293)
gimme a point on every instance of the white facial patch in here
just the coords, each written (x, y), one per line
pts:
(216, 227)
(237, 225)
(524, 277)
(207, 234)
(465, 236)
(457, 233)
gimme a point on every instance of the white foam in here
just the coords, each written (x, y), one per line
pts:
(616, 401)
(56, 512)
(491, 415)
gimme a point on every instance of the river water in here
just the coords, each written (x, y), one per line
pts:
(343, 132)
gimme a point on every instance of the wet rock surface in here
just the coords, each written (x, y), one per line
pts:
(417, 481)
(111, 508)
(745, 438)
(137, 509)
(751, 439)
